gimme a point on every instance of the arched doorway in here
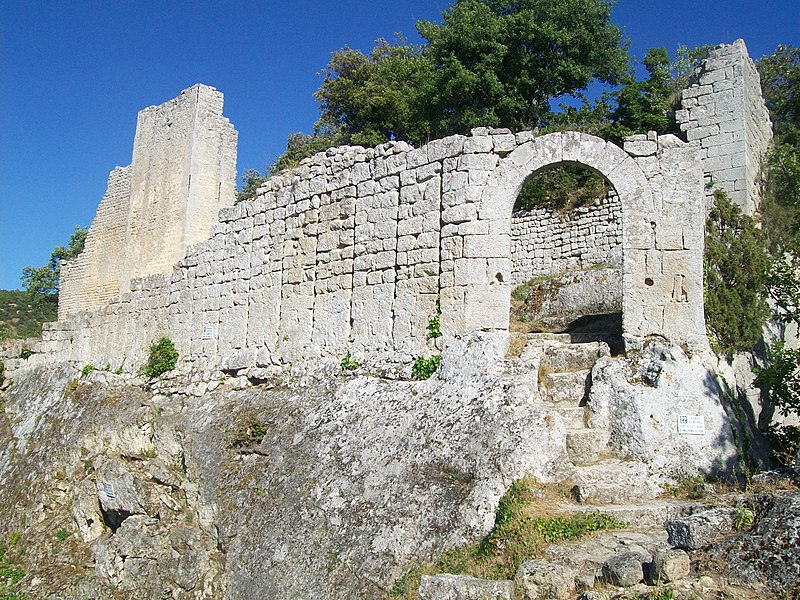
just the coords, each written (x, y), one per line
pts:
(566, 256)
(660, 188)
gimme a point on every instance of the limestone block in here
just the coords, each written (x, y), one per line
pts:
(478, 144)
(668, 565)
(487, 246)
(543, 579)
(640, 148)
(624, 569)
(462, 587)
(699, 530)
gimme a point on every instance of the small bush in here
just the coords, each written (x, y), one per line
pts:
(87, 369)
(25, 353)
(349, 363)
(785, 441)
(435, 324)
(62, 534)
(251, 430)
(162, 358)
(425, 367)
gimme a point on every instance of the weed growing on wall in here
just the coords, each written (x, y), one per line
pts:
(435, 324)
(87, 369)
(425, 367)
(349, 363)
(25, 353)
(248, 431)
(162, 358)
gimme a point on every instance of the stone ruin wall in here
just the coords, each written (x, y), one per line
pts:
(182, 173)
(92, 279)
(545, 242)
(349, 252)
(724, 112)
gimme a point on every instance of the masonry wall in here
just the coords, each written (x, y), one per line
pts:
(545, 241)
(724, 112)
(350, 251)
(92, 278)
(183, 172)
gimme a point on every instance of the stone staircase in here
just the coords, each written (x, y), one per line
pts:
(563, 382)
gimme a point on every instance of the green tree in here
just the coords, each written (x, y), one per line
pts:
(736, 267)
(367, 100)
(490, 62)
(44, 281)
(780, 83)
(501, 62)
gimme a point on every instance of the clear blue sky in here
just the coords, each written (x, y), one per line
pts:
(73, 75)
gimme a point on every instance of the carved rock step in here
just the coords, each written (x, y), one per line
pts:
(567, 389)
(559, 358)
(547, 338)
(585, 446)
(613, 481)
(647, 515)
(574, 416)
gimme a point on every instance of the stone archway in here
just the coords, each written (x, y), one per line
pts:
(662, 232)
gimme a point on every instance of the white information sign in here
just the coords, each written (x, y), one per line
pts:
(208, 332)
(108, 490)
(691, 425)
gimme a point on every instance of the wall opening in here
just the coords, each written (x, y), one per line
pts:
(566, 253)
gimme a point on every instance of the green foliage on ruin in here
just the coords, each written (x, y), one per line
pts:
(162, 358)
(349, 363)
(424, 368)
(562, 188)
(736, 267)
(43, 282)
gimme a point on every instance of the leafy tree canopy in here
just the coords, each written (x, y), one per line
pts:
(43, 281)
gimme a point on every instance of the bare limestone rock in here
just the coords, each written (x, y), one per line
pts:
(698, 531)
(461, 587)
(625, 569)
(770, 551)
(667, 566)
(644, 400)
(545, 580)
(555, 302)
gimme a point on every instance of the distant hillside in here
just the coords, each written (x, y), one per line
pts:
(20, 317)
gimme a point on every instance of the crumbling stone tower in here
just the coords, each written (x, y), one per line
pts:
(182, 173)
(724, 112)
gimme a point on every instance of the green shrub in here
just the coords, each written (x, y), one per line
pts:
(62, 534)
(349, 363)
(250, 430)
(425, 367)
(736, 269)
(785, 441)
(162, 358)
(87, 369)
(25, 353)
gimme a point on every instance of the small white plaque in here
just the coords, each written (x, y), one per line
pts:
(691, 425)
(208, 332)
(108, 490)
